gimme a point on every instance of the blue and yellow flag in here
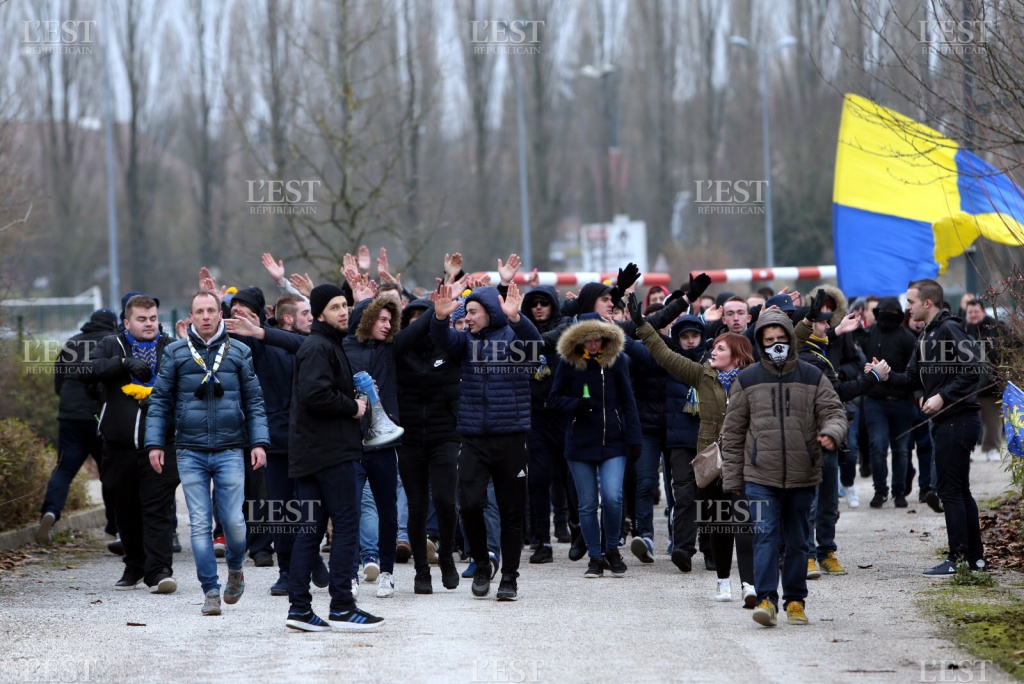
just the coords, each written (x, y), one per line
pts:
(906, 199)
(1013, 419)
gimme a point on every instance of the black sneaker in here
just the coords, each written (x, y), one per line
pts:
(578, 549)
(507, 589)
(308, 622)
(421, 584)
(280, 587)
(933, 501)
(922, 494)
(899, 501)
(126, 582)
(321, 575)
(176, 544)
(682, 560)
(355, 620)
(542, 555)
(449, 573)
(878, 499)
(615, 562)
(263, 559)
(595, 569)
(944, 569)
(115, 547)
(481, 583)
(562, 535)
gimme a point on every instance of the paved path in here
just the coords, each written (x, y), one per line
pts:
(654, 625)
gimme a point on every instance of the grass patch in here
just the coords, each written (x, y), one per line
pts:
(988, 621)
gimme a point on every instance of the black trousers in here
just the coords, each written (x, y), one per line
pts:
(143, 502)
(954, 440)
(686, 494)
(430, 470)
(546, 443)
(503, 459)
(723, 518)
(280, 490)
(257, 538)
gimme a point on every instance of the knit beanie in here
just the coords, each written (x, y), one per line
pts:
(321, 296)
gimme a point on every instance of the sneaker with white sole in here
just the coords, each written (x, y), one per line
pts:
(724, 590)
(852, 500)
(371, 570)
(749, 596)
(385, 585)
(308, 622)
(992, 455)
(165, 585)
(643, 549)
(355, 620)
(46, 523)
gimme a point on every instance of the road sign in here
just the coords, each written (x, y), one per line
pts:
(607, 247)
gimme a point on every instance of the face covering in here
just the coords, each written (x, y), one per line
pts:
(889, 320)
(778, 353)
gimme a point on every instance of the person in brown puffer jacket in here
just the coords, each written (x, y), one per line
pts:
(782, 412)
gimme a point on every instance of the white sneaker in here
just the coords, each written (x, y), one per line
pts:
(724, 590)
(852, 500)
(371, 571)
(749, 595)
(993, 455)
(385, 585)
(355, 589)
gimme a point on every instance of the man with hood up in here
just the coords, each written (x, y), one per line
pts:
(546, 440)
(890, 411)
(493, 420)
(782, 412)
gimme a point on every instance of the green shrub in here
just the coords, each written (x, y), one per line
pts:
(26, 462)
(26, 386)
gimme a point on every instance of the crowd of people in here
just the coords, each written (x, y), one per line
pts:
(499, 419)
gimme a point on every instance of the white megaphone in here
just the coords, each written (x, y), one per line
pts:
(381, 430)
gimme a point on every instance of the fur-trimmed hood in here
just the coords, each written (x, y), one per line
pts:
(570, 344)
(833, 292)
(369, 315)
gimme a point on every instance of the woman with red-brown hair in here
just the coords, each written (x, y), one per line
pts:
(724, 515)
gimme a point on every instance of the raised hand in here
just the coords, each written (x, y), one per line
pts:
(444, 302)
(364, 258)
(511, 303)
(698, 285)
(303, 283)
(206, 280)
(364, 288)
(817, 303)
(507, 271)
(533, 280)
(452, 265)
(241, 325)
(627, 277)
(274, 268)
(849, 323)
(633, 306)
(382, 260)
(713, 314)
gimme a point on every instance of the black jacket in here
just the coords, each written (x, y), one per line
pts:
(122, 418)
(273, 367)
(322, 428)
(543, 376)
(72, 372)
(428, 381)
(989, 334)
(893, 343)
(945, 362)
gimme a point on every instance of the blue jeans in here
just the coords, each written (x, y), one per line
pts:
(651, 450)
(380, 469)
(333, 491)
(889, 423)
(403, 512)
(585, 474)
(780, 517)
(824, 513)
(226, 470)
(369, 524)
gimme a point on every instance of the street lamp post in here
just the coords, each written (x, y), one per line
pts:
(762, 52)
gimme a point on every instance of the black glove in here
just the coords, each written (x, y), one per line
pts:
(802, 313)
(674, 296)
(633, 306)
(634, 452)
(139, 369)
(584, 406)
(627, 276)
(697, 286)
(819, 301)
